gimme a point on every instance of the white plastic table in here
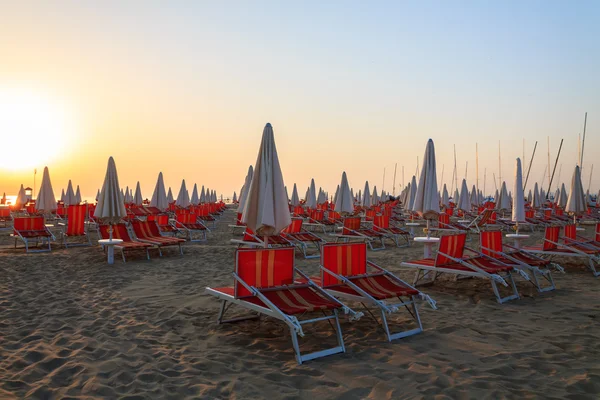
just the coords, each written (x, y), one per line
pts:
(517, 237)
(428, 243)
(110, 249)
(412, 227)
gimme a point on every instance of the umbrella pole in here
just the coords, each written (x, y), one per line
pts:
(266, 241)
(110, 232)
(427, 228)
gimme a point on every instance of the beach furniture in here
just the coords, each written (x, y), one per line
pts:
(190, 224)
(491, 245)
(450, 259)
(76, 227)
(316, 219)
(32, 230)
(120, 232)
(265, 283)
(148, 232)
(381, 224)
(239, 225)
(164, 225)
(570, 247)
(252, 240)
(302, 239)
(347, 274)
(353, 230)
(5, 216)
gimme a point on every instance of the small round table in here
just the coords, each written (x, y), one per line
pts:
(428, 243)
(517, 237)
(110, 248)
(412, 227)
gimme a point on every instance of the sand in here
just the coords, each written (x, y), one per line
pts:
(72, 326)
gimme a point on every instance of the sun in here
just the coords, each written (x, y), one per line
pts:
(36, 129)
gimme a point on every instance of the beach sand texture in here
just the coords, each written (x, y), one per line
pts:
(72, 326)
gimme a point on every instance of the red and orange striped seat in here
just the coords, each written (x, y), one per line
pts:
(148, 232)
(30, 227)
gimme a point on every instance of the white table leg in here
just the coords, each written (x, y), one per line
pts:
(111, 254)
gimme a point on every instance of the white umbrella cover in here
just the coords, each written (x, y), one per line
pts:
(245, 188)
(195, 199)
(138, 199)
(464, 203)
(183, 198)
(576, 203)
(111, 205)
(344, 203)
(159, 197)
(366, 201)
(426, 202)
(70, 195)
(45, 200)
(295, 200)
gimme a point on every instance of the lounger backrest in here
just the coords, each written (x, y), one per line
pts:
(547, 214)
(444, 220)
(560, 212)
(529, 213)
(4, 212)
(30, 208)
(119, 232)
(450, 211)
(491, 240)
(334, 216)
(345, 259)
(76, 220)
(29, 224)
(263, 268)
(381, 221)
(162, 219)
(351, 224)
(571, 231)
(551, 235)
(370, 215)
(485, 217)
(295, 226)
(143, 229)
(186, 218)
(597, 232)
(317, 215)
(451, 245)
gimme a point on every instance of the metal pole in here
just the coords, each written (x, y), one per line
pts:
(455, 170)
(477, 168)
(529, 169)
(583, 142)
(590, 181)
(556, 162)
(499, 166)
(394, 186)
(548, 158)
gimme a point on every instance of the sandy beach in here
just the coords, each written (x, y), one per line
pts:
(72, 326)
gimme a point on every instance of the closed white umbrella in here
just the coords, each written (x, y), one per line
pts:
(138, 199)
(504, 203)
(311, 200)
(3, 200)
(412, 193)
(344, 203)
(127, 197)
(536, 203)
(352, 194)
(77, 195)
(70, 195)
(97, 195)
(195, 199)
(159, 197)
(337, 192)
(359, 199)
(202, 198)
(266, 211)
(518, 204)
(366, 201)
(234, 197)
(529, 197)
(287, 196)
(46, 201)
(295, 200)
(21, 199)
(426, 202)
(374, 197)
(474, 199)
(497, 197)
(562, 199)
(245, 188)
(556, 196)
(464, 203)
(183, 198)
(445, 198)
(456, 196)
(111, 205)
(63, 196)
(170, 198)
(597, 199)
(576, 203)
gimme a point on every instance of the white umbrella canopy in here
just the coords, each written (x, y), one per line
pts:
(127, 198)
(311, 198)
(504, 203)
(352, 194)
(244, 192)
(344, 203)
(556, 195)
(159, 197)
(21, 199)
(266, 211)
(3, 200)
(170, 198)
(562, 199)
(111, 205)
(63, 196)
(497, 196)
(426, 202)
(464, 203)
(576, 203)
(202, 198)
(183, 198)
(214, 197)
(474, 198)
(359, 199)
(97, 194)
(536, 203)
(195, 199)
(374, 197)
(366, 201)
(45, 200)
(456, 196)
(287, 196)
(234, 197)
(78, 195)
(518, 205)
(382, 196)
(529, 197)
(70, 195)
(542, 197)
(597, 198)
(337, 192)
(412, 194)
(295, 200)
(138, 199)
(445, 199)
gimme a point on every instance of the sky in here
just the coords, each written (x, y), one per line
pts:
(186, 87)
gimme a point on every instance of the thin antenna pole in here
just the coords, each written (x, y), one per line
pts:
(590, 181)
(383, 183)
(555, 162)
(394, 186)
(417, 173)
(583, 142)
(484, 176)
(558, 181)
(494, 175)
(529, 169)
(403, 177)
(544, 176)
(549, 159)
(442, 181)
(477, 167)
(455, 170)
(523, 153)
(466, 169)
(499, 166)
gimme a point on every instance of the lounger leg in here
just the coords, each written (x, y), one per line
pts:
(338, 330)
(296, 346)
(147, 254)
(221, 312)
(123, 254)
(593, 268)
